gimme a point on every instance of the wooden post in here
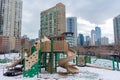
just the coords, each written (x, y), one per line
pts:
(39, 59)
(33, 49)
(51, 57)
(56, 56)
(90, 59)
(78, 54)
(117, 60)
(85, 60)
(76, 60)
(24, 64)
(113, 63)
(45, 59)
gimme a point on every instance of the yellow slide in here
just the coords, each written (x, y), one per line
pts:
(71, 54)
(14, 64)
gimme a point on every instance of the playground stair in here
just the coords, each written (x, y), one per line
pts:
(32, 71)
(31, 65)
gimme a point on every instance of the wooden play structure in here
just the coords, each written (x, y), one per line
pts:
(46, 55)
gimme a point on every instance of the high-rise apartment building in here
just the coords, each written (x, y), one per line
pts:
(53, 21)
(116, 22)
(10, 24)
(10, 18)
(72, 27)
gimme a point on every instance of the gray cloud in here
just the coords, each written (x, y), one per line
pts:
(94, 11)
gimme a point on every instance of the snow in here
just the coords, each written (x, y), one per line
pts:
(101, 62)
(18, 66)
(86, 73)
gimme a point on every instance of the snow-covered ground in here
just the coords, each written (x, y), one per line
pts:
(101, 62)
(86, 73)
(10, 55)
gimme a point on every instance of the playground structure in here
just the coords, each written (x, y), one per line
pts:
(46, 54)
(40, 58)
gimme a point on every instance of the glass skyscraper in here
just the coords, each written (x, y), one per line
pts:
(72, 27)
(88, 39)
(98, 36)
(116, 23)
(81, 40)
(93, 37)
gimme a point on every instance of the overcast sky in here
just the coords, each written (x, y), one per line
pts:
(89, 13)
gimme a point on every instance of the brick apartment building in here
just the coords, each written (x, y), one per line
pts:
(8, 44)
